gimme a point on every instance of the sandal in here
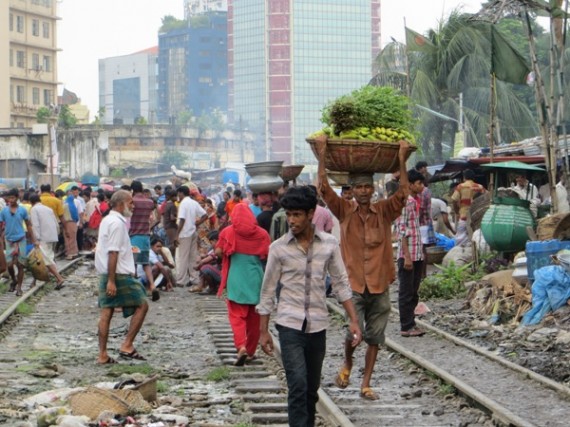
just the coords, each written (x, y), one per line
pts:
(59, 286)
(19, 293)
(155, 295)
(241, 358)
(109, 361)
(368, 394)
(132, 355)
(414, 332)
(343, 377)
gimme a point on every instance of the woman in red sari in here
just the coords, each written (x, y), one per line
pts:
(243, 245)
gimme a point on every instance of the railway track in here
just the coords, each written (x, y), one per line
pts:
(186, 335)
(9, 303)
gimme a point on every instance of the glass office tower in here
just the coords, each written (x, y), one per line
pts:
(288, 58)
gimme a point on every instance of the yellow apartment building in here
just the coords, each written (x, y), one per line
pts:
(28, 60)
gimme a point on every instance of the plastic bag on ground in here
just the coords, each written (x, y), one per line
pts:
(550, 291)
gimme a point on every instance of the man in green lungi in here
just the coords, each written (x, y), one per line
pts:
(117, 285)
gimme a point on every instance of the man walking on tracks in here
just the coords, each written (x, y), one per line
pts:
(298, 261)
(117, 285)
(366, 248)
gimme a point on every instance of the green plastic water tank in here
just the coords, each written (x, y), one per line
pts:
(505, 222)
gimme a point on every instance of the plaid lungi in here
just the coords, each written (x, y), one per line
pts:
(130, 294)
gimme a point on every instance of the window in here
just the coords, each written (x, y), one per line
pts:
(20, 94)
(20, 59)
(47, 63)
(47, 97)
(11, 58)
(36, 96)
(45, 29)
(20, 23)
(11, 22)
(35, 61)
(11, 93)
(36, 27)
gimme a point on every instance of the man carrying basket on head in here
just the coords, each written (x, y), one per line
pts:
(366, 248)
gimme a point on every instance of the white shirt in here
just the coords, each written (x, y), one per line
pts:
(44, 223)
(114, 236)
(437, 208)
(190, 211)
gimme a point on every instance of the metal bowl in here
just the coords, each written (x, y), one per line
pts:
(272, 168)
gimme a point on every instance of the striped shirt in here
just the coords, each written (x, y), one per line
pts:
(303, 295)
(140, 221)
(408, 227)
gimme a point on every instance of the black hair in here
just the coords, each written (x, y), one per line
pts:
(237, 193)
(126, 187)
(34, 198)
(469, 174)
(157, 187)
(313, 188)
(59, 193)
(345, 188)
(421, 164)
(100, 197)
(299, 198)
(414, 175)
(26, 196)
(13, 192)
(213, 235)
(184, 190)
(45, 188)
(137, 187)
(155, 240)
(170, 193)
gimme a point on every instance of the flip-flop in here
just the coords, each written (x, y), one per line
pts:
(343, 377)
(132, 355)
(368, 394)
(59, 286)
(109, 361)
(155, 295)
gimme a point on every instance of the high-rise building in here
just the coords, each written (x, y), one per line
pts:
(28, 60)
(288, 58)
(196, 7)
(193, 67)
(128, 87)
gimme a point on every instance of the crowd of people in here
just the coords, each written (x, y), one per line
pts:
(267, 254)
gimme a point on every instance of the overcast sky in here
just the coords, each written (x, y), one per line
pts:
(90, 30)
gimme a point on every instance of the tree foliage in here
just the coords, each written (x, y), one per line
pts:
(43, 114)
(170, 23)
(460, 63)
(174, 157)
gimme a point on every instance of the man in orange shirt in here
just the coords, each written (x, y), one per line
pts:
(462, 199)
(366, 248)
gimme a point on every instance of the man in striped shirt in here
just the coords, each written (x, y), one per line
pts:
(300, 260)
(410, 256)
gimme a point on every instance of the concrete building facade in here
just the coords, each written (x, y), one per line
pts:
(28, 60)
(288, 58)
(196, 7)
(128, 87)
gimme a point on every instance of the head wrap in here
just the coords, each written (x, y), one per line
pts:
(243, 236)
(361, 179)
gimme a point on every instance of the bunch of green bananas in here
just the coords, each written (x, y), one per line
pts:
(367, 134)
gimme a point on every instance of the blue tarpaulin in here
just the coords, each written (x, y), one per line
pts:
(550, 291)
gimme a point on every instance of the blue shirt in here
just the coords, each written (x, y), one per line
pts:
(255, 209)
(14, 223)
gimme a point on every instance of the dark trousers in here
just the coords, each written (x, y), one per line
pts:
(408, 292)
(80, 238)
(302, 356)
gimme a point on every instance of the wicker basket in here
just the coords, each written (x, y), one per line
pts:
(289, 173)
(347, 155)
(435, 254)
(93, 401)
(339, 178)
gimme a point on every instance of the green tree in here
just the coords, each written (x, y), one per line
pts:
(174, 157)
(43, 114)
(170, 23)
(458, 61)
(140, 120)
(66, 118)
(185, 117)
